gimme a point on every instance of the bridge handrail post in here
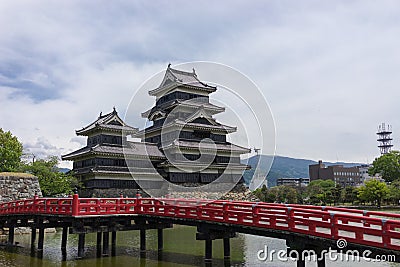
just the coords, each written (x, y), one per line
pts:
(138, 205)
(199, 211)
(225, 211)
(35, 203)
(334, 228)
(98, 206)
(255, 209)
(325, 218)
(22, 206)
(75, 205)
(45, 205)
(118, 203)
(366, 214)
(386, 240)
(290, 219)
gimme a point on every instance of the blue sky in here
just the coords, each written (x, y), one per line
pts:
(329, 69)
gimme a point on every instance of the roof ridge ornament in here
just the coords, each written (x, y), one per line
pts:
(194, 72)
(114, 110)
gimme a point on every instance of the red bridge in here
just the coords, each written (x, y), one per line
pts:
(302, 226)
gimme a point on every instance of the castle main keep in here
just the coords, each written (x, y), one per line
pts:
(185, 143)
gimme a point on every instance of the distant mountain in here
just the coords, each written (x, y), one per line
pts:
(283, 167)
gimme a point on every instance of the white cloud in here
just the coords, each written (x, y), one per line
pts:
(41, 148)
(79, 139)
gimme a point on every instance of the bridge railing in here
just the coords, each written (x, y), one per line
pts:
(347, 210)
(353, 226)
(377, 229)
(58, 206)
(103, 206)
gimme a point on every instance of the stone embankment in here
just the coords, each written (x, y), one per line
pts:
(16, 186)
(188, 190)
(239, 193)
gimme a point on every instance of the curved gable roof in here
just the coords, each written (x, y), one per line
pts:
(174, 77)
(110, 121)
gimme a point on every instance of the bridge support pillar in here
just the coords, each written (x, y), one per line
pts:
(33, 239)
(81, 245)
(302, 246)
(142, 240)
(209, 234)
(113, 242)
(160, 239)
(106, 242)
(41, 239)
(11, 235)
(300, 262)
(64, 238)
(227, 248)
(321, 260)
(208, 250)
(98, 244)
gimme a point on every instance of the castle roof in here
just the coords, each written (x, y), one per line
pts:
(207, 146)
(174, 78)
(223, 166)
(124, 173)
(108, 122)
(180, 124)
(139, 149)
(178, 103)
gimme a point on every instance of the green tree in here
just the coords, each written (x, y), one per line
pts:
(261, 192)
(271, 195)
(373, 191)
(387, 165)
(320, 192)
(350, 194)
(280, 194)
(301, 194)
(52, 181)
(394, 192)
(10, 152)
(291, 194)
(337, 194)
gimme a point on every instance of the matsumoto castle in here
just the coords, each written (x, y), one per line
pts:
(184, 145)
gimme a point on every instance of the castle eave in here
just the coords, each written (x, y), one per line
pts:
(207, 146)
(196, 165)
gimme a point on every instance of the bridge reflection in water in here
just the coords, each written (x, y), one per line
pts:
(303, 227)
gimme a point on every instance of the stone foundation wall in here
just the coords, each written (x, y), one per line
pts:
(107, 192)
(14, 186)
(239, 192)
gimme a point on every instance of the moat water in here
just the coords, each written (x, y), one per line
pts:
(180, 250)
